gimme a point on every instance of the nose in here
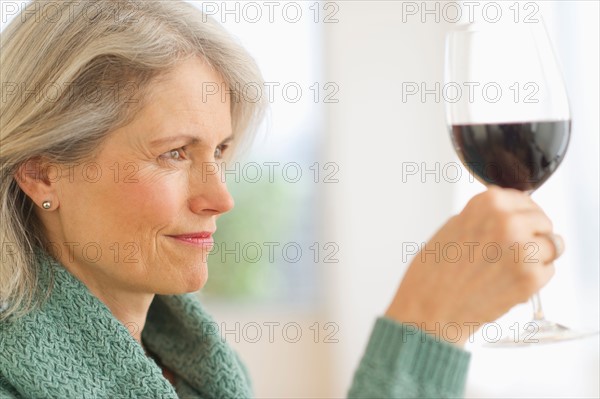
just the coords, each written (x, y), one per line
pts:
(208, 191)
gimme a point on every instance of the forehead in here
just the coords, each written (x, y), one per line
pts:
(191, 99)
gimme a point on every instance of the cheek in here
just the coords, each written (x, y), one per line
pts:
(153, 203)
(129, 221)
(108, 211)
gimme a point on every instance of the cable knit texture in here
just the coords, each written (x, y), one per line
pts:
(403, 362)
(73, 347)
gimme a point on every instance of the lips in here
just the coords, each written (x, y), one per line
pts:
(201, 239)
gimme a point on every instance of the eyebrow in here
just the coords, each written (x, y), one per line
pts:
(191, 139)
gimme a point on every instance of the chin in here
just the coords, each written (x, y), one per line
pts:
(190, 280)
(195, 278)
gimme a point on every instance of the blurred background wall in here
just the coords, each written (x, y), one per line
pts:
(319, 233)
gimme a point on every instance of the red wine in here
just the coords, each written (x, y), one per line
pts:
(512, 155)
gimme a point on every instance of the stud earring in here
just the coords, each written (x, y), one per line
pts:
(46, 204)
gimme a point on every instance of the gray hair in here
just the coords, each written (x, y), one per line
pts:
(69, 70)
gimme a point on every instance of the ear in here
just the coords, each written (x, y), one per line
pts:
(35, 178)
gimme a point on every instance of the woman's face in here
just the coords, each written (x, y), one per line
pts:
(133, 217)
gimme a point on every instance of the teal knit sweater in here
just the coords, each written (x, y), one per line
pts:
(73, 347)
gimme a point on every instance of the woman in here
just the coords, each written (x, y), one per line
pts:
(116, 117)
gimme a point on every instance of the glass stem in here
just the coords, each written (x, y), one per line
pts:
(538, 313)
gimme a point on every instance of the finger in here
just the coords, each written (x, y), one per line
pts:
(558, 243)
(509, 199)
(549, 247)
(545, 274)
(524, 228)
(535, 205)
(535, 222)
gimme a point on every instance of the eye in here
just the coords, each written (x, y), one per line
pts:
(176, 154)
(220, 150)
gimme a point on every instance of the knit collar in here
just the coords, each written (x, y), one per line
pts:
(72, 345)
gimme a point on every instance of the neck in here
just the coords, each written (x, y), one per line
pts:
(127, 306)
(130, 309)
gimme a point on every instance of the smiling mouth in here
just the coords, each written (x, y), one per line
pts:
(202, 240)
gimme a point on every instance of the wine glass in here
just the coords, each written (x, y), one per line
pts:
(509, 119)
